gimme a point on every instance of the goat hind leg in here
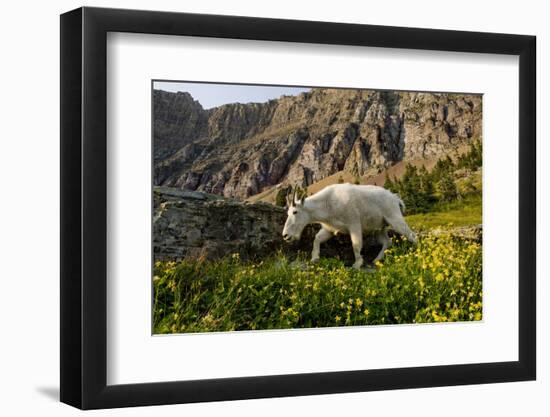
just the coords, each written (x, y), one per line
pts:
(356, 235)
(384, 240)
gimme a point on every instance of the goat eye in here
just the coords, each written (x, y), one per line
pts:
(295, 212)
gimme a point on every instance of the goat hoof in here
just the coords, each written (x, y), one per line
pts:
(314, 260)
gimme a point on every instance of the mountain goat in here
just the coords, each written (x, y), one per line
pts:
(349, 209)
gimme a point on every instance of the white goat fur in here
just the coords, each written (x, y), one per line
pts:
(348, 209)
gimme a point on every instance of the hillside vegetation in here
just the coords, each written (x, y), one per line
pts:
(439, 280)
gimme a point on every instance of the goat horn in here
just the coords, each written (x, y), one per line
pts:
(297, 194)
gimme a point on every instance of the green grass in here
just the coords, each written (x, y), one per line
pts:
(437, 280)
(464, 212)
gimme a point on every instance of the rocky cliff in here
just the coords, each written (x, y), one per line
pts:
(178, 120)
(239, 150)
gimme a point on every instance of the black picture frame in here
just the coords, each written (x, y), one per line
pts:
(84, 207)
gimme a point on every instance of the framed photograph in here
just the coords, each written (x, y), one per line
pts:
(257, 208)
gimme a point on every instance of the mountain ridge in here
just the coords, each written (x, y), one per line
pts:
(240, 150)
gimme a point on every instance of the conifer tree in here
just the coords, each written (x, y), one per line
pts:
(447, 187)
(389, 184)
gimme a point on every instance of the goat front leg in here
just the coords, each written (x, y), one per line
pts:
(322, 236)
(356, 234)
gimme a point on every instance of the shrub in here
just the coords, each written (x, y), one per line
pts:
(280, 198)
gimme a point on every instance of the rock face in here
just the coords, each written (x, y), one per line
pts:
(190, 224)
(238, 150)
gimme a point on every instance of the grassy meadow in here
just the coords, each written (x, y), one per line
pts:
(465, 212)
(438, 280)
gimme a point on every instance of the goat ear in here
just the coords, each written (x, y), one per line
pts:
(301, 197)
